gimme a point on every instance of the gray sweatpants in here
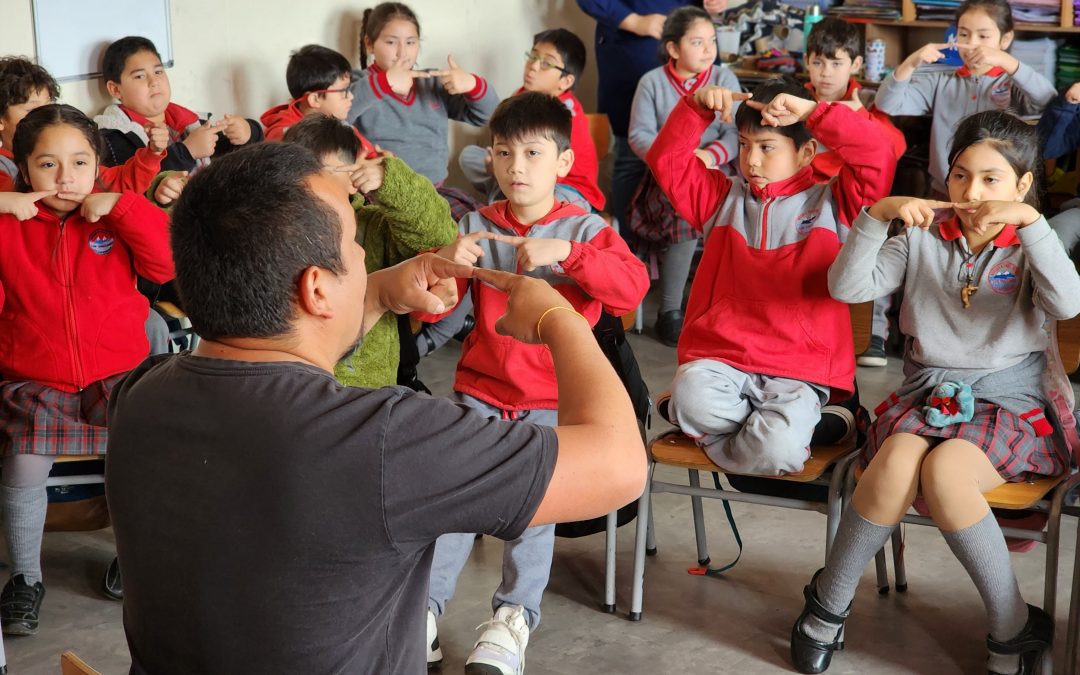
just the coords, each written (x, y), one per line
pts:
(526, 560)
(474, 167)
(746, 423)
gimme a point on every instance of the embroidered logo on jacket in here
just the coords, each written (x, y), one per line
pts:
(101, 241)
(805, 221)
(1003, 278)
(1001, 95)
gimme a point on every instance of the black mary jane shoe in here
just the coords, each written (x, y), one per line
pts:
(1031, 644)
(807, 654)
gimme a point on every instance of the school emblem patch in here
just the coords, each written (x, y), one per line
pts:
(805, 221)
(1001, 95)
(101, 241)
(1004, 278)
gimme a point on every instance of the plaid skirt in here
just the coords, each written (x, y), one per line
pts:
(36, 419)
(460, 201)
(653, 220)
(1008, 441)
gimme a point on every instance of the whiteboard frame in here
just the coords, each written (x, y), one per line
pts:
(167, 52)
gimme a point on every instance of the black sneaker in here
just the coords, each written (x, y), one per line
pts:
(113, 585)
(20, 604)
(669, 327)
(874, 356)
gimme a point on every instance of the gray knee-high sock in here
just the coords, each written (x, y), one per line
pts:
(24, 520)
(981, 549)
(857, 542)
(674, 269)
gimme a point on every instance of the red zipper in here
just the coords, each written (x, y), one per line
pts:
(73, 331)
(765, 222)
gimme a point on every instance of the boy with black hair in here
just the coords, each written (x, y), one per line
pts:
(135, 76)
(25, 86)
(833, 52)
(552, 67)
(320, 80)
(764, 345)
(533, 233)
(398, 215)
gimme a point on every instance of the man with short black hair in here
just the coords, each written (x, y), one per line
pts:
(270, 520)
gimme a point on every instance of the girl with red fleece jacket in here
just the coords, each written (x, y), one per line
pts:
(71, 323)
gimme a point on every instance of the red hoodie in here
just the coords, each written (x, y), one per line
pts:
(69, 311)
(278, 119)
(134, 175)
(760, 301)
(827, 163)
(600, 272)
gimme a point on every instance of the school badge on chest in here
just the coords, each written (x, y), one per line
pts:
(1004, 278)
(1001, 95)
(101, 241)
(805, 221)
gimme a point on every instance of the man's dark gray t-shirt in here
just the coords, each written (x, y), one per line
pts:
(270, 520)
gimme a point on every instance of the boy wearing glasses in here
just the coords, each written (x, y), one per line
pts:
(552, 67)
(320, 80)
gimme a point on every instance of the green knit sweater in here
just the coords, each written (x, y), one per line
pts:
(409, 217)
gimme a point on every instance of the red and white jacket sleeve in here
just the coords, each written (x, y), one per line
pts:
(867, 173)
(144, 228)
(694, 191)
(134, 175)
(607, 271)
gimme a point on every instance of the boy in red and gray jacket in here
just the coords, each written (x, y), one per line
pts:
(531, 233)
(764, 345)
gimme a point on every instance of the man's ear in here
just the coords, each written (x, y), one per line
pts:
(114, 90)
(311, 293)
(566, 162)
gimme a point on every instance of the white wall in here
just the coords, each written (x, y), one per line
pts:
(230, 55)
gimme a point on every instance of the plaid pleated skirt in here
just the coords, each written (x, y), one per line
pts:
(36, 419)
(1008, 441)
(653, 219)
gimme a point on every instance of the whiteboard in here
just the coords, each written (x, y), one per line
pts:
(71, 35)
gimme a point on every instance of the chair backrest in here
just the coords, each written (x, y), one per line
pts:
(600, 130)
(862, 315)
(1068, 335)
(70, 664)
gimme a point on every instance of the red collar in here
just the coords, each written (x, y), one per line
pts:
(964, 71)
(501, 214)
(177, 117)
(851, 87)
(6, 153)
(380, 78)
(680, 83)
(802, 179)
(950, 230)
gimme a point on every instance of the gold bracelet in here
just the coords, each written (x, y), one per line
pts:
(552, 309)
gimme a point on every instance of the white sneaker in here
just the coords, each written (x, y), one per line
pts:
(501, 647)
(434, 652)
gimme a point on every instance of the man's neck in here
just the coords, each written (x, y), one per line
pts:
(259, 351)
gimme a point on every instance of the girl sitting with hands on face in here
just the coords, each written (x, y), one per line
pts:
(973, 412)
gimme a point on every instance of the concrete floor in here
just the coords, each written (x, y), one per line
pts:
(736, 624)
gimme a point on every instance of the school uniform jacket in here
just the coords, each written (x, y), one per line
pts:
(69, 311)
(134, 175)
(600, 273)
(416, 127)
(828, 163)
(583, 173)
(657, 94)
(950, 96)
(123, 132)
(760, 301)
(278, 119)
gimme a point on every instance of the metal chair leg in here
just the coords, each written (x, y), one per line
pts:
(638, 583)
(899, 572)
(1072, 644)
(882, 572)
(609, 562)
(650, 533)
(699, 521)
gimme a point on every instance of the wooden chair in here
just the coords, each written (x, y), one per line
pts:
(70, 664)
(174, 313)
(675, 449)
(1044, 495)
